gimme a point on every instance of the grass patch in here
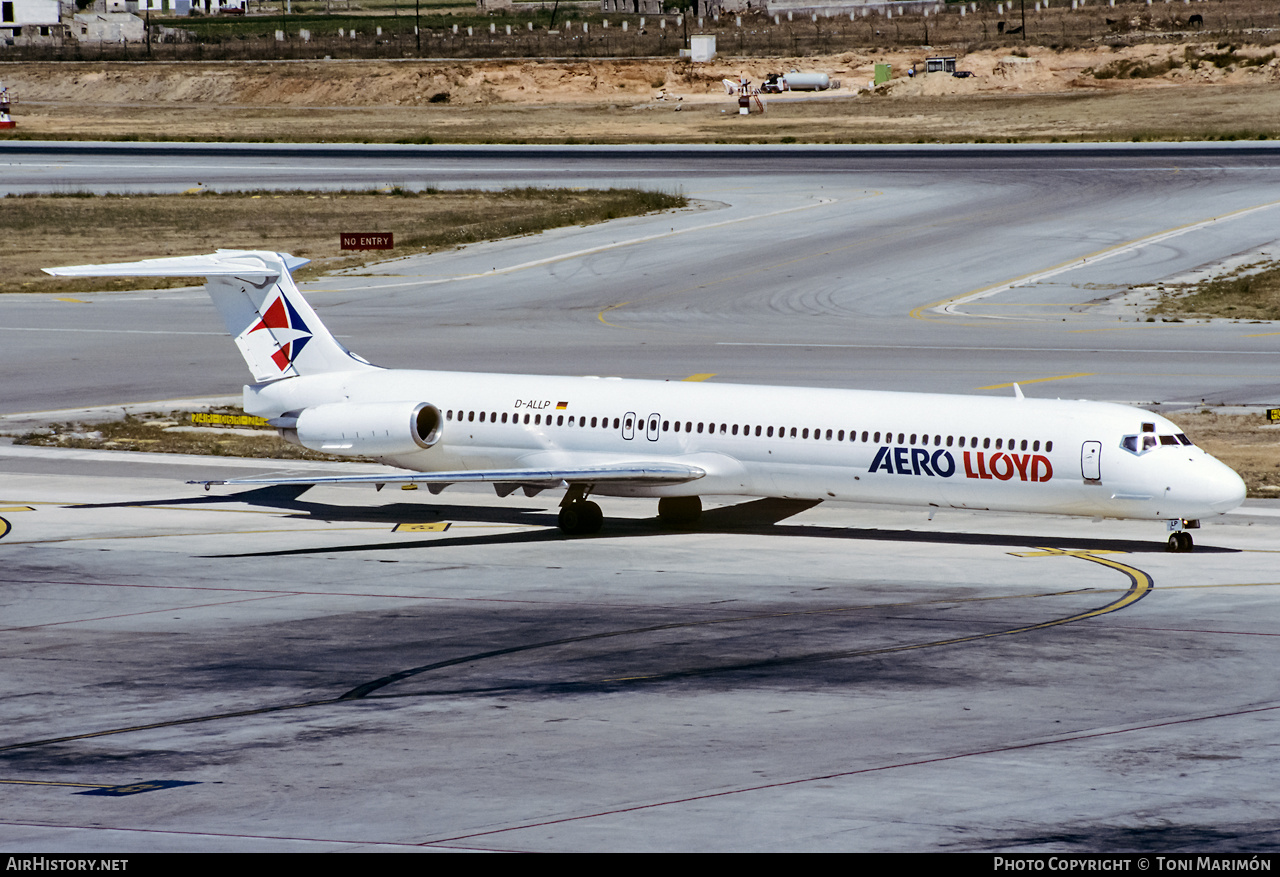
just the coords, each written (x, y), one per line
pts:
(1250, 292)
(151, 432)
(1242, 441)
(75, 229)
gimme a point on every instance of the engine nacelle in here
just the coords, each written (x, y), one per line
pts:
(366, 429)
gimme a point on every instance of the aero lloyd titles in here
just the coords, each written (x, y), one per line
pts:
(1001, 466)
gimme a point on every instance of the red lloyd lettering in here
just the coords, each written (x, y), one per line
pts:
(1002, 466)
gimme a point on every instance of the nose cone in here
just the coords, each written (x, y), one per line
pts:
(1206, 486)
(1228, 490)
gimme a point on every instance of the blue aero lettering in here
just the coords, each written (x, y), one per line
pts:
(914, 461)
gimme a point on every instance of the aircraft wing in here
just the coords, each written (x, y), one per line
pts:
(624, 473)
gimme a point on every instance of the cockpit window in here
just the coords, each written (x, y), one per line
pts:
(1138, 444)
(1145, 441)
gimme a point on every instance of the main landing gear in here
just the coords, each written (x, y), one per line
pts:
(581, 517)
(578, 515)
(1179, 539)
(679, 512)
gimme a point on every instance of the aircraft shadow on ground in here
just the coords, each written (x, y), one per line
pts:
(760, 517)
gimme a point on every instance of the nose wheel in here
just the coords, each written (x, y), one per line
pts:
(1180, 542)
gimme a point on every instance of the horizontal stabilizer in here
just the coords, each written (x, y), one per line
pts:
(224, 263)
(276, 330)
(627, 473)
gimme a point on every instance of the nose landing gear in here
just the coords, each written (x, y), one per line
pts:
(1179, 539)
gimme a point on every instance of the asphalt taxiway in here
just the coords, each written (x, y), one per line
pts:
(344, 669)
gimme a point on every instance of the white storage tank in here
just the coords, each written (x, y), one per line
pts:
(797, 81)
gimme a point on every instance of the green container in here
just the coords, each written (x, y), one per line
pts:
(882, 73)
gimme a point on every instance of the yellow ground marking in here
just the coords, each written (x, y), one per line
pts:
(918, 313)
(16, 508)
(1222, 585)
(78, 301)
(4, 528)
(437, 527)
(1070, 552)
(1039, 380)
(701, 377)
(1262, 335)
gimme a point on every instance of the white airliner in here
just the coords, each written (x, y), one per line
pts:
(679, 441)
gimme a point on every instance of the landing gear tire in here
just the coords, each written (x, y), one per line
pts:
(1180, 542)
(580, 518)
(679, 512)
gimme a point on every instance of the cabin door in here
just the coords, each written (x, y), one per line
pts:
(1091, 461)
(651, 433)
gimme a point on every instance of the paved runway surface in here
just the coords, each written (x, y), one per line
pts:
(345, 669)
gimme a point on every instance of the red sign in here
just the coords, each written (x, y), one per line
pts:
(368, 240)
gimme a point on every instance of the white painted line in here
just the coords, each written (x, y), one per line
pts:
(1093, 258)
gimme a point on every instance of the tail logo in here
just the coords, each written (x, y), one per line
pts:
(287, 328)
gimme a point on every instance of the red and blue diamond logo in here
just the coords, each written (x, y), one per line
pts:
(287, 328)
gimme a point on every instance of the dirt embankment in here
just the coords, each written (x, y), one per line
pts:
(401, 83)
(1143, 92)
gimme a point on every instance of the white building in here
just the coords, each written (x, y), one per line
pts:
(23, 22)
(108, 27)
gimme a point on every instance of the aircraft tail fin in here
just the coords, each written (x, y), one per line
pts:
(276, 330)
